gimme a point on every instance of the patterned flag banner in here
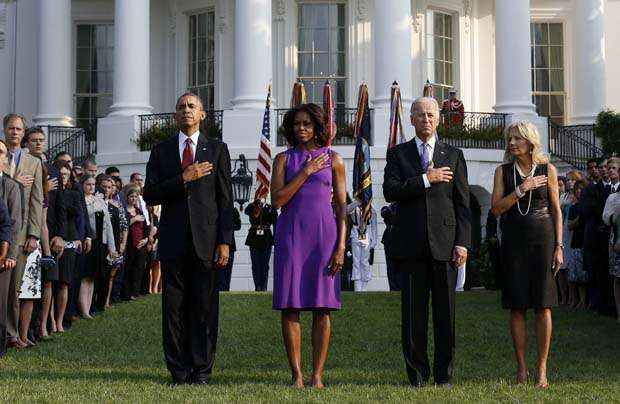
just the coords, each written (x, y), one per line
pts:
(362, 181)
(298, 96)
(428, 91)
(263, 170)
(396, 112)
(330, 113)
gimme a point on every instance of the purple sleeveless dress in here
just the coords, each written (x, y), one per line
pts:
(305, 239)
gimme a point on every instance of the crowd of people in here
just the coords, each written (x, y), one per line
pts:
(75, 241)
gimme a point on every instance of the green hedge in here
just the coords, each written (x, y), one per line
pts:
(465, 132)
(160, 132)
(607, 128)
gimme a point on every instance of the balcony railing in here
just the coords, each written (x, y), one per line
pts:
(345, 126)
(573, 144)
(78, 142)
(473, 130)
(155, 128)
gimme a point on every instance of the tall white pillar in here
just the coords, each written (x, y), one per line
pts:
(588, 60)
(512, 58)
(54, 70)
(392, 33)
(131, 58)
(253, 59)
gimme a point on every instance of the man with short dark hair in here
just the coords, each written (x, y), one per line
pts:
(64, 156)
(113, 171)
(592, 170)
(90, 166)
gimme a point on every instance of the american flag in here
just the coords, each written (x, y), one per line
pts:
(263, 170)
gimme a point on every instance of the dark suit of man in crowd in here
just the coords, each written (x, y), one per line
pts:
(387, 213)
(595, 245)
(189, 176)
(430, 236)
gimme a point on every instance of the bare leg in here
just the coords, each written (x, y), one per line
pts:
(543, 336)
(110, 286)
(519, 339)
(617, 296)
(291, 333)
(25, 314)
(45, 309)
(83, 300)
(52, 314)
(155, 277)
(321, 332)
(61, 306)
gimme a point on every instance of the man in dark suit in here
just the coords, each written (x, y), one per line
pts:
(430, 236)
(189, 176)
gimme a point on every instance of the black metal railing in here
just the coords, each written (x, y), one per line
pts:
(157, 127)
(573, 144)
(473, 130)
(345, 126)
(78, 142)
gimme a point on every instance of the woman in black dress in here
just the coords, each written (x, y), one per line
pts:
(525, 195)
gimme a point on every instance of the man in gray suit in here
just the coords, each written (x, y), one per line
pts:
(11, 194)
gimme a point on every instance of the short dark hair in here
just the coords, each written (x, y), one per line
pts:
(89, 161)
(87, 177)
(9, 117)
(321, 137)
(62, 153)
(102, 177)
(30, 131)
(133, 176)
(189, 94)
(112, 170)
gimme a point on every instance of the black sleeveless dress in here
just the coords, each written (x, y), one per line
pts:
(527, 247)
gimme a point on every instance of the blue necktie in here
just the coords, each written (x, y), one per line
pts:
(425, 157)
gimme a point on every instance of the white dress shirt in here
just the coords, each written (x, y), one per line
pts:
(183, 137)
(431, 149)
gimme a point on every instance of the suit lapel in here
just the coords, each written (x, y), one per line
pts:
(440, 154)
(204, 150)
(174, 148)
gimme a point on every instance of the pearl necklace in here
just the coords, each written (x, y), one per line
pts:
(514, 174)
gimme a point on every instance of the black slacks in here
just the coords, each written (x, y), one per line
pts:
(190, 316)
(421, 278)
(225, 274)
(392, 274)
(5, 280)
(260, 267)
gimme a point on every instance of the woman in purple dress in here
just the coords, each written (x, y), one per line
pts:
(308, 183)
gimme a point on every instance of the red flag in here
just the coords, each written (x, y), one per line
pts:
(428, 91)
(299, 94)
(330, 117)
(263, 169)
(396, 112)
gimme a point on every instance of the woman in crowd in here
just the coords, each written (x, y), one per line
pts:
(525, 194)
(137, 242)
(119, 229)
(611, 217)
(67, 262)
(154, 266)
(102, 245)
(310, 239)
(577, 278)
(564, 189)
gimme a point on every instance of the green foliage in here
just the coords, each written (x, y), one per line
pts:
(607, 128)
(165, 129)
(117, 357)
(485, 266)
(345, 134)
(470, 132)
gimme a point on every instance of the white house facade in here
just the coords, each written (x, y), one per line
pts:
(114, 65)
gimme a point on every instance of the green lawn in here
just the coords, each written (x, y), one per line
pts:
(118, 356)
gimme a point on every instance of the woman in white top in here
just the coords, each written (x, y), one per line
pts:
(103, 245)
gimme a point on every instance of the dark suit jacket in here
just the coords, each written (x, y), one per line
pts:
(266, 218)
(206, 204)
(437, 217)
(11, 193)
(596, 234)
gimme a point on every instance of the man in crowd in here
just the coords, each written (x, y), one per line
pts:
(27, 170)
(10, 194)
(452, 110)
(113, 171)
(593, 171)
(90, 166)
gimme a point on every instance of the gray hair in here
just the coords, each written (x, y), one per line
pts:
(421, 100)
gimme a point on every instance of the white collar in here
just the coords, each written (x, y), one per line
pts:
(431, 142)
(183, 137)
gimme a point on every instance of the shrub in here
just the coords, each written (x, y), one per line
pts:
(607, 128)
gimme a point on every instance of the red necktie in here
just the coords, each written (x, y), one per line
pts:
(188, 156)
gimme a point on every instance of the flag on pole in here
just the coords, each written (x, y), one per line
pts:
(428, 91)
(263, 170)
(330, 117)
(362, 181)
(396, 112)
(298, 96)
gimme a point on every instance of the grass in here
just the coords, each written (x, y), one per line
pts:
(118, 357)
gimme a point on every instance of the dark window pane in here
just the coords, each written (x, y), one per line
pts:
(100, 36)
(202, 25)
(305, 64)
(555, 34)
(542, 80)
(83, 35)
(337, 64)
(533, 82)
(448, 25)
(448, 49)
(541, 56)
(99, 59)
(211, 23)
(542, 104)
(340, 91)
(342, 39)
(82, 59)
(210, 47)
(333, 15)
(439, 76)
(556, 105)
(82, 107)
(192, 51)
(341, 15)
(448, 77)
(210, 73)
(192, 26)
(556, 57)
(305, 39)
(321, 40)
(540, 34)
(82, 82)
(437, 24)
(202, 49)
(321, 64)
(95, 82)
(438, 42)
(202, 74)
(556, 80)
(192, 74)
(110, 36)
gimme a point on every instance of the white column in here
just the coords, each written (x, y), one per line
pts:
(54, 64)
(513, 85)
(393, 50)
(131, 58)
(588, 60)
(253, 58)
(392, 31)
